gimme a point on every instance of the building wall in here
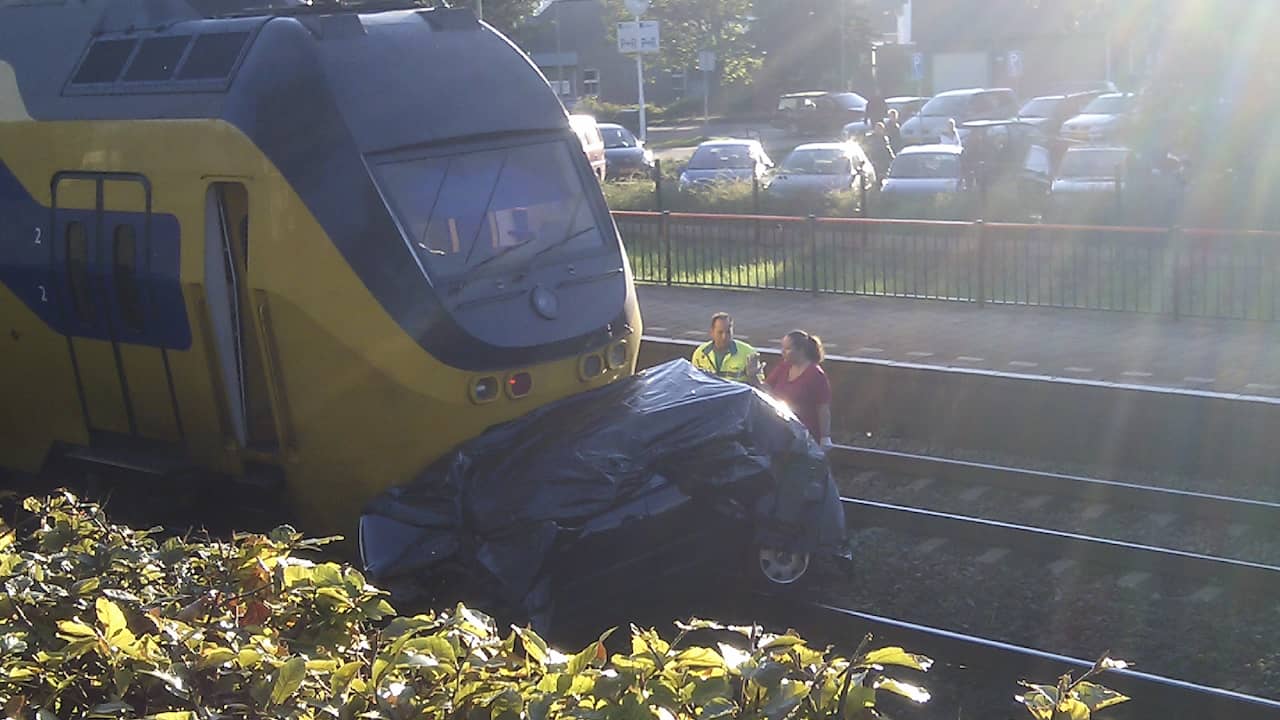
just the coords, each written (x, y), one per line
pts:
(586, 44)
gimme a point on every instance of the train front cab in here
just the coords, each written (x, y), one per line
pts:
(228, 293)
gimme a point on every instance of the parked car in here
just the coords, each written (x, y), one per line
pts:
(818, 112)
(1087, 186)
(962, 106)
(1101, 121)
(624, 153)
(725, 161)
(815, 169)
(907, 107)
(584, 126)
(924, 181)
(1048, 112)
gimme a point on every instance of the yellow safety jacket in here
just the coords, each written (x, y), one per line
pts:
(733, 365)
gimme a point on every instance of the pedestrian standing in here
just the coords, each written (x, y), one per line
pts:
(801, 383)
(726, 357)
(893, 128)
(951, 135)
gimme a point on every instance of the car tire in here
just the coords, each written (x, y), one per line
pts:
(780, 567)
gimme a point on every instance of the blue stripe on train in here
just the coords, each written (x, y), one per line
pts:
(33, 265)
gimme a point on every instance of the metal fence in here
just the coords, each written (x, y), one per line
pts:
(1203, 273)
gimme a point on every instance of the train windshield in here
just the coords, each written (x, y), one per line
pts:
(491, 208)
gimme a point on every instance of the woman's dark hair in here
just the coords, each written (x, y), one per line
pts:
(809, 345)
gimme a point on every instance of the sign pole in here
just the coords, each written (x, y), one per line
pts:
(638, 8)
(706, 95)
(640, 93)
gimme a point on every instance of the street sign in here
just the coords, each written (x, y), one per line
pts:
(1014, 61)
(637, 7)
(638, 37)
(706, 60)
(917, 66)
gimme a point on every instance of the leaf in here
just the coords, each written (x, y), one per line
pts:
(249, 658)
(213, 657)
(1071, 709)
(342, 677)
(718, 708)
(733, 657)
(73, 629)
(1097, 697)
(700, 657)
(896, 656)
(380, 666)
(110, 617)
(534, 645)
(914, 693)
(593, 655)
(86, 586)
(784, 699)
(858, 699)
(175, 715)
(288, 679)
(770, 642)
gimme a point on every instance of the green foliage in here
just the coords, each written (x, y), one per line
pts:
(505, 15)
(692, 25)
(725, 197)
(1073, 700)
(102, 621)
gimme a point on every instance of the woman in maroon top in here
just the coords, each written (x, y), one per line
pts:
(800, 382)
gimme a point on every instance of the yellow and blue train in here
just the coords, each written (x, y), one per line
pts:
(320, 242)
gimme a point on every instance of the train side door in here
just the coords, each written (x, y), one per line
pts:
(238, 338)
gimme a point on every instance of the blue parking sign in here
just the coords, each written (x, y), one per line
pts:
(917, 66)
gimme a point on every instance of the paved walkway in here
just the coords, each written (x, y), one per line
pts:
(1216, 355)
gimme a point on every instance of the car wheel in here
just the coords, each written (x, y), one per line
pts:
(781, 567)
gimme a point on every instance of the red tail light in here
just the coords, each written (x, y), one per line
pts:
(519, 384)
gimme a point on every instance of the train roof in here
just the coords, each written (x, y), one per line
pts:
(398, 73)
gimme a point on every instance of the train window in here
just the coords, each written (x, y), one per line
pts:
(157, 59)
(467, 209)
(104, 61)
(213, 56)
(128, 295)
(78, 271)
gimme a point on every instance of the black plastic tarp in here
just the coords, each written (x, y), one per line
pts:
(661, 455)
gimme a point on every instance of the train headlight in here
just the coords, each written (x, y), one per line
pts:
(617, 355)
(484, 389)
(590, 366)
(519, 384)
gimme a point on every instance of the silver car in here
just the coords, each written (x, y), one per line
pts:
(923, 181)
(961, 106)
(1088, 184)
(1102, 120)
(815, 169)
(717, 161)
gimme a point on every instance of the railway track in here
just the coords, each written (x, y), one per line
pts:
(966, 660)
(1195, 523)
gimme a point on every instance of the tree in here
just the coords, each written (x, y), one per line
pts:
(504, 15)
(688, 26)
(805, 41)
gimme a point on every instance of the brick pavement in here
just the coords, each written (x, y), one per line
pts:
(1216, 355)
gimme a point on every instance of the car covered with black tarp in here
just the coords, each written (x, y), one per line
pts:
(611, 490)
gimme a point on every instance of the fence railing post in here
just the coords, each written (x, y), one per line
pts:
(664, 232)
(980, 235)
(812, 225)
(657, 184)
